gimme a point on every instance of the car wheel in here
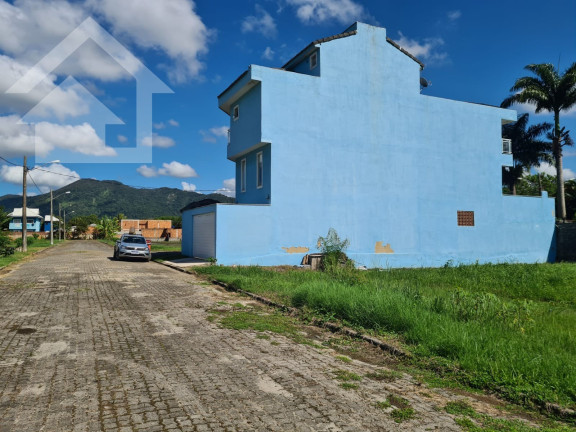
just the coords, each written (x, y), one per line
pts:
(116, 256)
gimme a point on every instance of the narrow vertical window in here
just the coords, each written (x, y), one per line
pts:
(259, 169)
(313, 60)
(236, 112)
(243, 175)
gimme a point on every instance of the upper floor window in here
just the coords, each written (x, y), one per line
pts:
(243, 175)
(506, 146)
(259, 169)
(314, 60)
(236, 112)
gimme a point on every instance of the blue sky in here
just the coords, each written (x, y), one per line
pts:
(473, 52)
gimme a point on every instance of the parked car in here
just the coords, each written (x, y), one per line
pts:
(132, 246)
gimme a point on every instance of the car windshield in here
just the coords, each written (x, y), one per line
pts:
(136, 240)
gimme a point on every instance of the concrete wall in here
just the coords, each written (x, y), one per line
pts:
(359, 149)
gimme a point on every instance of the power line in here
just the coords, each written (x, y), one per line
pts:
(7, 161)
(30, 175)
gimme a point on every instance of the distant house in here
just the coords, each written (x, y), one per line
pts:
(47, 223)
(151, 228)
(343, 137)
(34, 220)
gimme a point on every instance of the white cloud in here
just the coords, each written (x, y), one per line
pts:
(454, 15)
(212, 134)
(262, 23)
(163, 125)
(319, 11)
(172, 169)
(17, 139)
(268, 54)
(29, 29)
(188, 187)
(426, 50)
(147, 171)
(546, 168)
(177, 169)
(53, 176)
(229, 188)
(122, 138)
(158, 141)
(173, 27)
(60, 102)
(80, 138)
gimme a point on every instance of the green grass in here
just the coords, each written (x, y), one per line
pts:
(509, 328)
(342, 375)
(402, 414)
(36, 246)
(459, 408)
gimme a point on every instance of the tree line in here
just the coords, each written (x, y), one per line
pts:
(548, 91)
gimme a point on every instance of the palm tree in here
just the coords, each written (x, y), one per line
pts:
(554, 93)
(528, 150)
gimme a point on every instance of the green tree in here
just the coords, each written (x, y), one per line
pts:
(549, 91)
(107, 228)
(527, 148)
(4, 219)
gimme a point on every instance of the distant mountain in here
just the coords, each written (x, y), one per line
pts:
(108, 197)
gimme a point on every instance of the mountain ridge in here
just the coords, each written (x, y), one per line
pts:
(111, 197)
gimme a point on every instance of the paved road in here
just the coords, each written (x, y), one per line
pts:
(91, 344)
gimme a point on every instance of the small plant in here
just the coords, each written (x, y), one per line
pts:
(211, 260)
(342, 375)
(344, 359)
(332, 247)
(36, 236)
(402, 414)
(349, 386)
(459, 408)
(383, 404)
(18, 242)
(384, 375)
(398, 401)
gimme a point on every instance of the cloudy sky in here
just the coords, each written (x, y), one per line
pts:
(74, 98)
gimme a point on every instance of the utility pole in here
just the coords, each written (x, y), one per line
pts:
(24, 215)
(59, 221)
(51, 220)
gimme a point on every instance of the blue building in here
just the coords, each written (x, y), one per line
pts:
(341, 137)
(34, 220)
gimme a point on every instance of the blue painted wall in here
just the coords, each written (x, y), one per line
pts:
(33, 224)
(359, 149)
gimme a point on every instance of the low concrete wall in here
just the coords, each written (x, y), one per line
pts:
(566, 242)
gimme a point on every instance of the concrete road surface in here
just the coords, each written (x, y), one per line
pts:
(92, 344)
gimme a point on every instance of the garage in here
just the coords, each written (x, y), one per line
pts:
(204, 235)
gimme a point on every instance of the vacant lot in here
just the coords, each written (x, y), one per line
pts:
(509, 328)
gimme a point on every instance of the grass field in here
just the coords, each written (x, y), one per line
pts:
(509, 328)
(36, 246)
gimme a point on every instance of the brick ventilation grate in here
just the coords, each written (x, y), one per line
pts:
(465, 218)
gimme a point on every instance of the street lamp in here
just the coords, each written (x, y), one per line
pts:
(25, 171)
(52, 215)
(65, 221)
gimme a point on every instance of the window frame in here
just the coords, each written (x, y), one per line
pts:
(243, 175)
(313, 60)
(260, 170)
(236, 112)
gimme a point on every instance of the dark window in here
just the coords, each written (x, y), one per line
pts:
(465, 218)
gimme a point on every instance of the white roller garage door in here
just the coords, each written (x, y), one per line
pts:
(204, 235)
